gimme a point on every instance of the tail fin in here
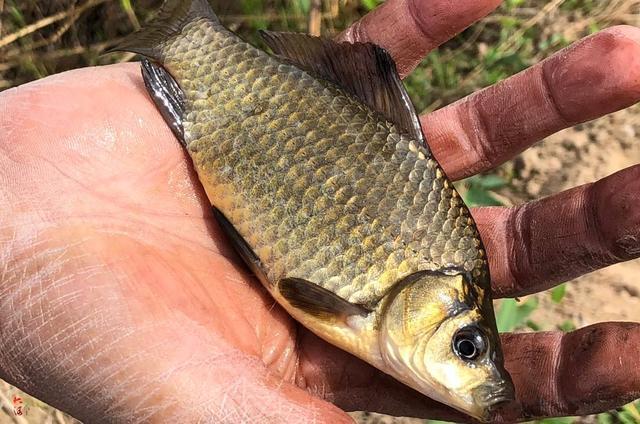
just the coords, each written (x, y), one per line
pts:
(173, 16)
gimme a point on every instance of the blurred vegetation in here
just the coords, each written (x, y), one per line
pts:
(40, 38)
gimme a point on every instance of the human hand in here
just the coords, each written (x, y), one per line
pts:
(121, 301)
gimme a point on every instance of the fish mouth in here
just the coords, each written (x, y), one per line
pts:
(495, 397)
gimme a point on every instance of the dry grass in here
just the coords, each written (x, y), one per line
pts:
(42, 38)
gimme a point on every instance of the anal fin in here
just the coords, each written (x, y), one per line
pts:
(241, 247)
(316, 300)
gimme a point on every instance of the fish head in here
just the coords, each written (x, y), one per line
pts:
(438, 335)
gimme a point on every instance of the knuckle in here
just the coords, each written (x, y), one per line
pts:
(479, 136)
(520, 267)
(616, 215)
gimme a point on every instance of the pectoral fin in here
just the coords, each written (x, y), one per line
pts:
(317, 301)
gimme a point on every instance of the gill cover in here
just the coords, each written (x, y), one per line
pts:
(435, 338)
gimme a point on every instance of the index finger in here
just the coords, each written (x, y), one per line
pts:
(409, 29)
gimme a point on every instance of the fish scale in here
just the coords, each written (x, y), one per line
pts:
(317, 170)
(331, 205)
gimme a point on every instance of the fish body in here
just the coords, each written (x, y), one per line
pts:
(315, 164)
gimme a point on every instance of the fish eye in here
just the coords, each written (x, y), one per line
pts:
(469, 343)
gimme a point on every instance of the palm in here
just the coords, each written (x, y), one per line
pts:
(127, 246)
(119, 297)
(125, 212)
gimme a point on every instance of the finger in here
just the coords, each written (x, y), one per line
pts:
(409, 29)
(588, 371)
(354, 385)
(536, 245)
(591, 370)
(591, 78)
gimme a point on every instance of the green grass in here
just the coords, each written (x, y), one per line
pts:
(628, 414)
(513, 315)
(558, 293)
(480, 190)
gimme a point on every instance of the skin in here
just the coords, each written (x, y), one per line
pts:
(120, 300)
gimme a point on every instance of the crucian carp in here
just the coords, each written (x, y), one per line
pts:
(318, 171)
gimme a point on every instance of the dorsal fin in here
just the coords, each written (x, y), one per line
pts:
(172, 17)
(363, 69)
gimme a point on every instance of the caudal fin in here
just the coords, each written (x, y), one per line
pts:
(169, 22)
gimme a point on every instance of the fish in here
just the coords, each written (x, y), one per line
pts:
(317, 169)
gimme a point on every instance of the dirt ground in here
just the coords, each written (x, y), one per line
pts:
(572, 157)
(33, 411)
